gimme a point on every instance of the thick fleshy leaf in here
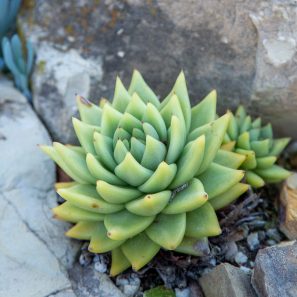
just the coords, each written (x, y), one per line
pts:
(205, 111)
(100, 172)
(233, 128)
(240, 115)
(188, 199)
(139, 250)
(168, 230)
(243, 141)
(189, 162)
(202, 222)
(160, 179)
(213, 140)
(139, 134)
(137, 149)
(82, 230)
(228, 146)
(119, 262)
(194, 246)
(250, 158)
(104, 148)
(89, 112)
(217, 179)
(136, 107)
(150, 204)
(254, 179)
(273, 174)
(261, 147)
(71, 213)
(86, 197)
(254, 134)
(257, 123)
(149, 130)
(121, 96)
(177, 140)
(75, 162)
(120, 134)
(266, 131)
(128, 122)
(229, 159)
(120, 151)
(229, 196)
(246, 124)
(139, 86)
(123, 224)
(278, 146)
(153, 117)
(100, 242)
(132, 172)
(265, 162)
(154, 153)
(110, 120)
(116, 194)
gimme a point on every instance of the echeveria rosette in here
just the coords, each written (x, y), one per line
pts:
(248, 137)
(148, 174)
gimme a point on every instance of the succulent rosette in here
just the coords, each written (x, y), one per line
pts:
(148, 174)
(248, 137)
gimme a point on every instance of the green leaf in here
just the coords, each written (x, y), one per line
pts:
(261, 147)
(254, 179)
(82, 230)
(89, 112)
(136, 107)
(233, 128)
(250, 158)
(265, 162)
(278, 145)
(119, 262)
(202, 222)
(120, 151)
(243, 141)
(273, 174)
(121, 96)
(137, 149)
(193, 246)
(123, 225)
(188, 199)
(167, 230)
(110, 120)
(150, 204)
(229, 159)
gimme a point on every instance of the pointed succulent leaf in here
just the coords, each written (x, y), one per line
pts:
(89, 112)
(119, 262)
(82, 230)
(229, 159)
(121, 98)
(193, 246)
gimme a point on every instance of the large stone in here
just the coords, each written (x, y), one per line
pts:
(34, 254)
(247, 52)
(226, 281)
(275, 271)
(288, 207)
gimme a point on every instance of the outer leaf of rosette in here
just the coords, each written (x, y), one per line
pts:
(202, 222)
(132, 172)
(82, 230)
(194, 246)
(189, 162)
(278, 146)
(188, 199)
(136, 107)
(154, 153)
(180, 89)
(229, 196)
(139, 250)
(123, 225)
(261, 147)
(119, 262)
(168, 230)
(273, 174)
(254, 179)
(266, 132)
(116, 194)
(217, 179)
(265, 162)
(75, 162)
(229, 159)
(110, 120)
(160, 179)
(104, 148)
(233, 129)
(240, 115)
(85, 134)
(100, 172)
(243, 141)
(139, 86)
(245, 125)
(205, 111)
(54, 155)
(71, 213)
(214, 134)
(121, 96)
(153, 117)
(89, 112)
(100, 242)
(150, 204)
(250, 159)
(177, 139)
(86, 197)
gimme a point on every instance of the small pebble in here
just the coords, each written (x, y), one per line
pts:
(231, 250)
(274, 234)
(253, 241)
(271, 242)
(121, 54)
(246, 269)
(182, 292)
(261, 235)
(128, 284)
(100, 263)
(241, 258)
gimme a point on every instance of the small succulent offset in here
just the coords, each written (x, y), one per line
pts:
(148, 174)
(8, 12)
(19, 62)
(248, 137)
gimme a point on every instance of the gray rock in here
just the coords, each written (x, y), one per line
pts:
(230, 250)
(240, 258)
(275, 271)
(226, 281)
(128, 284)
(87, 282)
(247, 52)
(253, 241)
(34, 254)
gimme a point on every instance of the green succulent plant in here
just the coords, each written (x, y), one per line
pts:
(248, 137)
(148, 174)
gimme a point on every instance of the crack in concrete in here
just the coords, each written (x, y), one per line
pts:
(54, 293)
